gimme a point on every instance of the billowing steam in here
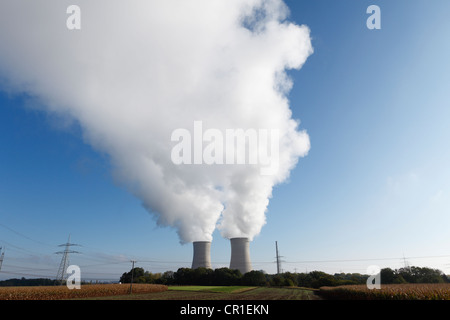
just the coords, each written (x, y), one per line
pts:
(137, 71)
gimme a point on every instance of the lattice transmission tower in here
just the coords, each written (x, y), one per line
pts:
(2, 255)
(65, 260)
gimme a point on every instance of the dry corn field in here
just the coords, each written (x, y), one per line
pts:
(86, 291)
(439, 291)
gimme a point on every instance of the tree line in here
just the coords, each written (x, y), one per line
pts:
(23, 282)
(413, 275)
(313, 279)
(229, 277)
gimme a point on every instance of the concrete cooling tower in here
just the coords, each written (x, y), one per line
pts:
(202, 255)
(240, 255)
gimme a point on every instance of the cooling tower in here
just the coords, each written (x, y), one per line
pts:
(240, 255)
(202, 257)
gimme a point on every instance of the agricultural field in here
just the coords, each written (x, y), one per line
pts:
(155, 292)
(86, 291)
(439, 291)
(162, 292)
(223, 293)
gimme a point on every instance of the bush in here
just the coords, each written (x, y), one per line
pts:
(254, 278)
(326, 280)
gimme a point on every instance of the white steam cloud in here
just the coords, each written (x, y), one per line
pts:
(138, 70)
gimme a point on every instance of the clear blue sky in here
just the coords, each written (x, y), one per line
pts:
(375, 184)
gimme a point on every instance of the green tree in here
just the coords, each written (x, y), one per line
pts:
(399, 279)
(304, 280)
(254, 278)
(315, 275)
(137, 274)
(387, 276)
(290, 279)
(167, 278)
(203, 276)
(227, 277)
(184, 276)
(326, 280)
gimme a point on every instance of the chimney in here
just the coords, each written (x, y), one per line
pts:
(202, 257)
(240, 255)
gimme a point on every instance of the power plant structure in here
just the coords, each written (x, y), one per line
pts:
(202, 255)
(240, 255)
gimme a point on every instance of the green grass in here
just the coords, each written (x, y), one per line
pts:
(217, 289)
(221, 293)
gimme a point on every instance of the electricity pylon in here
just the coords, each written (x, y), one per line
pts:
(65, 260)
(1, 257)
(278, 259)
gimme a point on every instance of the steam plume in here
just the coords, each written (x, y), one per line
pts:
(138, 70)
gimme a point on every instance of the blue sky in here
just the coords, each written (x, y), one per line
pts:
(375, 184)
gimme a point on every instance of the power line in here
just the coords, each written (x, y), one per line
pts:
(25, 274)
(24, 236)
(20, 249)
(103, 264)
(27, 268)
(156, 264)
(370, 259)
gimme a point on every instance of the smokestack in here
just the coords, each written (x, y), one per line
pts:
(202, 257)
(240, 255)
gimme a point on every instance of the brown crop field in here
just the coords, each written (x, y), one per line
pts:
(439, 291)
(86, 291)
